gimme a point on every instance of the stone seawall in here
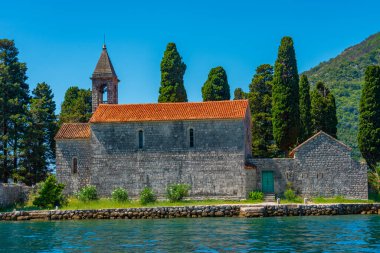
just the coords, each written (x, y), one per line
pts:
(247, 211)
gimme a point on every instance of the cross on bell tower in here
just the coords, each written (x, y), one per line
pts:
(104, 82)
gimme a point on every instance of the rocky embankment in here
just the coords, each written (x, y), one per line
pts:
(247, 211)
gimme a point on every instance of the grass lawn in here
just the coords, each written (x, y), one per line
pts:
(105, 203)
(339, 199)
(75, 204)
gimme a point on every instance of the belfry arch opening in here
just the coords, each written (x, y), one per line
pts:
(104, 95)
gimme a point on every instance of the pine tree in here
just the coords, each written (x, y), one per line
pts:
(216, 87)
(39, 145)
(260, 100)
(172, 70)
(323, 110)
(285, 97)
(14, 99)
(239, 94)
(76, 106)
(305, 109)
(369, 117)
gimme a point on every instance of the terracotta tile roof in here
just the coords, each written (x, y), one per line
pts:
(235, 109)
(315, 136)
(74, 131)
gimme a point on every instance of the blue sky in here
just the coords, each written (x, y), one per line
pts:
(61, 41)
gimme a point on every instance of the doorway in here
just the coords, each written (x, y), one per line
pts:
(267, 181)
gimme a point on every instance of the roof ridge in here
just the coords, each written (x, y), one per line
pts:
(171, 103)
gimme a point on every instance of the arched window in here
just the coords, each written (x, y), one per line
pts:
(75, 165)
(191, 137)
(141, 139)
(104, 95)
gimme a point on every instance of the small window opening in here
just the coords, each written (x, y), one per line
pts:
(191, 135)
(104, 95)
(75, 165)
(141, 139)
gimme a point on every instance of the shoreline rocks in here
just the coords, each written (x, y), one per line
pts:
(246, 211)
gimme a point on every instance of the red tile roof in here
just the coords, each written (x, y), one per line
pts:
(235, 109)
(74, 131)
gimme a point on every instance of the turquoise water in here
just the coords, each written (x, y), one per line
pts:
(356, 233)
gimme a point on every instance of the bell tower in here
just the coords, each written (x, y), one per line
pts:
(104, 82)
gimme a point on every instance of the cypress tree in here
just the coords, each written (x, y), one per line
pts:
(14, 99)
(323, 110)
(239, 94)
(305, 109)
(260, 100)
(285, 97)
(369, 117)
(76, 106)
(172, 70)
(216, 87)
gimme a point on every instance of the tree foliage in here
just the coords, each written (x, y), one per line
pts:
(216, 88)
(260, 100)
(172, 70)
(76, 106)
(323, 110)
(38, 146)
(50, 194)
(344, 76)
(239, 94)
(14, 99)
(369, 119)
(285, 97)
(305, 109)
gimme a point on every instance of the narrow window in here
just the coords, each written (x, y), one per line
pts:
(141, 139)
(105, 95)
(191, 135)
(75, 165)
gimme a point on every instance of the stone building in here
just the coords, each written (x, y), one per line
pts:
(205, 144)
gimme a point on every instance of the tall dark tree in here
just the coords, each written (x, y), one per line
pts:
(323, 110)
(172, 70)
(239, 94)
(39, 146)
(305, 109)
(14, 98)
(260, 100)
(369, 117)
(285, 97)
(76, 106)
(216, 87)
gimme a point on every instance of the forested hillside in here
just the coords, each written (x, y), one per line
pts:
(344, 76)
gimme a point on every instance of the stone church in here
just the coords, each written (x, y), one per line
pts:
(204, 144)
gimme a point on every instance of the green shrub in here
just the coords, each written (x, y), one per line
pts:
(87, 193)
(120, 195)
(147, 196)
(177, 192)
(49, 194)
(290, 194)
(256, 195)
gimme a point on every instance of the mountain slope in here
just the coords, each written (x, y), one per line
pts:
(344, 75)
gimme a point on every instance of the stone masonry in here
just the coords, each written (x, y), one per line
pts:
(322, 166)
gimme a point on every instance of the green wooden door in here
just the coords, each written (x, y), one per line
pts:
(267, 181)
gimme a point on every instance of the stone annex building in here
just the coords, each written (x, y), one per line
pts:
(205, 144)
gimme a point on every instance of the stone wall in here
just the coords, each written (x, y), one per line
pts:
(214, 167)
(246, 211)
(11, 194)
(66, 150)
(320, 167)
